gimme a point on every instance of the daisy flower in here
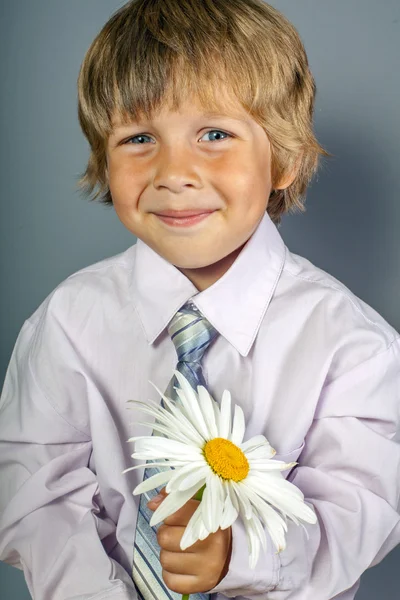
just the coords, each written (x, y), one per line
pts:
(205, 449)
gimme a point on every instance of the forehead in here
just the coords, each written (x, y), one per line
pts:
(226, 108)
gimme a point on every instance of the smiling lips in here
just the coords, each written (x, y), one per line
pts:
(183, 218)
(184, 213)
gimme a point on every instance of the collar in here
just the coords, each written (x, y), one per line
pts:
(234, 305)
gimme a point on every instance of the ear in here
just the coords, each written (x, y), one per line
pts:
(289, 177)
(286, 181)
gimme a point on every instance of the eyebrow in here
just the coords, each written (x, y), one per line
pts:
(201, 116)
(214, 114)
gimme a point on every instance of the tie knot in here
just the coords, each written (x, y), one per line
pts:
(191, 333)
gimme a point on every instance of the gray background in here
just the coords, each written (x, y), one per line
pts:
(48, 231)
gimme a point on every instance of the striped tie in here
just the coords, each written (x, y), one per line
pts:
(191, 334)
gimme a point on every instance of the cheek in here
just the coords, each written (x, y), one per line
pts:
(248, 188)
(247, 176)
(232, 177)
(125, 186)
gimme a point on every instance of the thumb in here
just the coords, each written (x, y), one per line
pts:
(156, 500)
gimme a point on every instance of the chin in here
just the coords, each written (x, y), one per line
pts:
(183, 261)
(192, 265)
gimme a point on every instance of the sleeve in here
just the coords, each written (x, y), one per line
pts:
(349, 472)
(50, 521)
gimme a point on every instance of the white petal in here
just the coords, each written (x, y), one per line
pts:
(203, 531)
(152, 406)
(261, 452)
(160, 447)
(153, 482)
(262, 483)
(207, 409)
(199, 531)
(245, 508)
(273, 521)
(181, 475)
(184, 407)
(170, 431)
(196, 417)
(254, 442)
(158, 412)
(177, 463)
(266, 465)
(253, 542)
(179, 431)
(258, 447)
(260, 532)
(238, 427)
(157, 454)
(178, 412)
(225, 418)
(187, 393)
(233, 496)
(219, 494)
(206, 508)
(217, 415)
(192, 530)
(139, 437)
(198, 477)
(212, 503)
(230, 513)
(171, 504)
(181, 416)
(285, 496)
(175, 421)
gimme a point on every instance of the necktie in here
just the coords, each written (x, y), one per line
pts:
(192, 334)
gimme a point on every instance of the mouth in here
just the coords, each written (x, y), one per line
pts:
(183, 218)
(176, 214)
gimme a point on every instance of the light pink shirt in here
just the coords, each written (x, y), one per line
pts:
(314, 368)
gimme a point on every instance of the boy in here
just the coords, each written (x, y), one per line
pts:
(314, 368)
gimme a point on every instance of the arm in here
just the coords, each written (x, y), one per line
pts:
(50, 526)
(349, 471)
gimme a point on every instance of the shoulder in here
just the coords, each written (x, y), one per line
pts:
(78, 310)
(56, 341)
(348, 328)
(103, 283)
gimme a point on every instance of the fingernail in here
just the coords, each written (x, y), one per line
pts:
(157, 498)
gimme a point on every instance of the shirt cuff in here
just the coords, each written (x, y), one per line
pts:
(240, 580)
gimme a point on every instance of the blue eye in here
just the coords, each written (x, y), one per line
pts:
(217, 131)
(142, 135)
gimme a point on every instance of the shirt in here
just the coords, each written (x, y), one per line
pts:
(314, 368)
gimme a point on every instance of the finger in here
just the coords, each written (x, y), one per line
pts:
(180, 564)
(169, 538)
(156, 500)
(183, 584)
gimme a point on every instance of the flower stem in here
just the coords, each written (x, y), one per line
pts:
(198, 496)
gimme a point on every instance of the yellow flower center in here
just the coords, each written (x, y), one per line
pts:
(226, 459)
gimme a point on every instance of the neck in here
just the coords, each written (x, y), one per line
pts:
(205, 277)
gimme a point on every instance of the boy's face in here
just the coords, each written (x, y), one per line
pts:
(184, 161)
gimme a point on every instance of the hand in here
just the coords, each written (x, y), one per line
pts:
(200, 567)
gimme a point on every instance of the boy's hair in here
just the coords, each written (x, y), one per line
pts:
(152, 52)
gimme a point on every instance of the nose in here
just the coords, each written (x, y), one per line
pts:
(176, 169)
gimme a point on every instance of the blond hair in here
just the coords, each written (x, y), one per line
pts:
(153, 50)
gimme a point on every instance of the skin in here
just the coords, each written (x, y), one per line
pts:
(200, 567)
(186, 161)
